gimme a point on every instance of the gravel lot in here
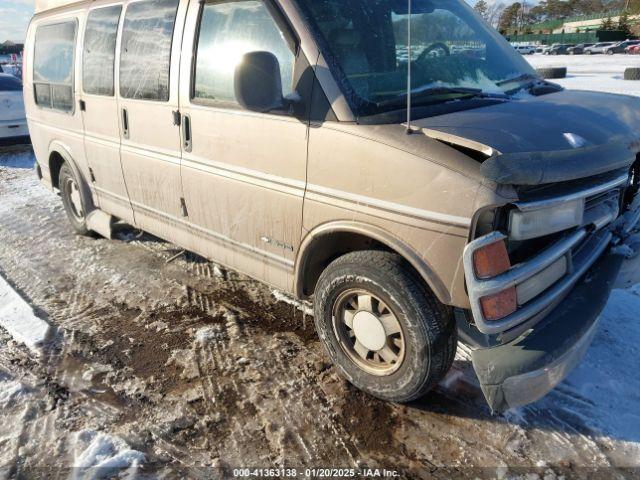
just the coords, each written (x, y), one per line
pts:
(158, 365)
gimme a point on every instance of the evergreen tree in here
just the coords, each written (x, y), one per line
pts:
(624, 25)
(608, 24)
(509, 17)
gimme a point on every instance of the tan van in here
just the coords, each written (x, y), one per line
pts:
(273, 136)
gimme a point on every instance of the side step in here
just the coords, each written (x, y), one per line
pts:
(101, 223)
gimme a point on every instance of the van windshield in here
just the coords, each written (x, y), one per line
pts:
(454, 54)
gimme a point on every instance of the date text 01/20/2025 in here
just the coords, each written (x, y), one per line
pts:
(315, 473)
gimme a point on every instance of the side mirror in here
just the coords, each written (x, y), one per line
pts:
(258, 84)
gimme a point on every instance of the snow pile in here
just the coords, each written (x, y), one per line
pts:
(98, 455)
(12, 392)
(17, 317)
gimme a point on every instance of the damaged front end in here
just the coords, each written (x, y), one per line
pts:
(538, 280)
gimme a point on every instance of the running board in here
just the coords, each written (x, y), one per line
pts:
(101, 223)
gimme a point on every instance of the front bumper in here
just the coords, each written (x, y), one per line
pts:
(525, 369)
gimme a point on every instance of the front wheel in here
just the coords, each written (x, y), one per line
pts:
(73, 200)
(382, 327)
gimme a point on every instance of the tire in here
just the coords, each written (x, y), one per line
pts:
(632, 74)
(552, 72)
(427, 332)
(73, 199)
(609, 52)
(588, 52)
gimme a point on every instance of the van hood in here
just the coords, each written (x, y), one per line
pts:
(555, 137)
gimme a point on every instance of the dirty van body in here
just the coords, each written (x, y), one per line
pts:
(273, 136)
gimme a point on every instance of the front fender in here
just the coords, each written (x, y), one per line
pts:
(375, 233)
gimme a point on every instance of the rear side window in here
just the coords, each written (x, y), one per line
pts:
(53, 65)
(228, 30)
(145, 57)
(100, 51)
(9, 84)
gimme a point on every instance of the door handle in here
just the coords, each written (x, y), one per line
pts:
(83, 106)
(125, 123)
(187, 134)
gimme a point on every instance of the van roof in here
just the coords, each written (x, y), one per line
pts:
(43, 5)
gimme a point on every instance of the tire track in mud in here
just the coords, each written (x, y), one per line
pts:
(261, 393)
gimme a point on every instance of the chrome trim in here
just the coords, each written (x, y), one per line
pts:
(480, 288)
(589, 192)
(524, 271)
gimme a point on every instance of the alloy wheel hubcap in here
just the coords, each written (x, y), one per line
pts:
(76, 200)
(369, 332)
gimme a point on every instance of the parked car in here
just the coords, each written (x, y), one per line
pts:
(276, 138)
(13, 122)
(525, 49)
(620, 47)
(579, 49)
(558, 49)
(633, 49)
(598, 48)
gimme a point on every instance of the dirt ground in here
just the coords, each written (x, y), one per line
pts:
(194, 371)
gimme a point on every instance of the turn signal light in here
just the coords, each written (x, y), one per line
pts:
(491, 260)
(500, 305)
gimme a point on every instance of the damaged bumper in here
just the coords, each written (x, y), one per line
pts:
(527, 368)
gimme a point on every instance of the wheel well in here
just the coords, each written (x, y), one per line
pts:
(55, 164)
(325, 249)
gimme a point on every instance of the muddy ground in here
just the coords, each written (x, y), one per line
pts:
(197, 370)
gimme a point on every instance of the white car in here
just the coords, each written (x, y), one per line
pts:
(525, 49)
(13, 121)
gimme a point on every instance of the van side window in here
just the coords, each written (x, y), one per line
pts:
(100, 51)
(145, 58)
(228, 30)
(53, 65)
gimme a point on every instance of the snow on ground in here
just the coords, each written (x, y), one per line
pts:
(18, 318)
(102, 456)
(603, 73)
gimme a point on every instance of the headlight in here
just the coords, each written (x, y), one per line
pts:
(545, 221)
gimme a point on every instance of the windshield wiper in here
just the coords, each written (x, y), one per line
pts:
(519, 78)
(432, 95)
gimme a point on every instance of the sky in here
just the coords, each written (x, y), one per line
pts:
(14, 18)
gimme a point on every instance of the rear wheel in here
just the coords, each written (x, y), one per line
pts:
(382, 327)
(73, 199)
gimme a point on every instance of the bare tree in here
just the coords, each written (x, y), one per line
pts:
(494, 12)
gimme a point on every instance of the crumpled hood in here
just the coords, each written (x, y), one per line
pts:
(539, 124)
